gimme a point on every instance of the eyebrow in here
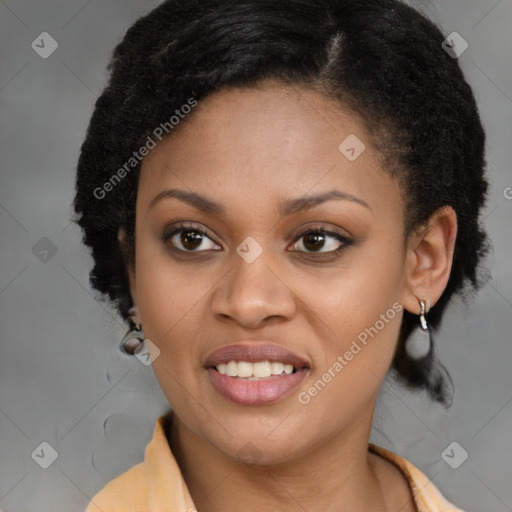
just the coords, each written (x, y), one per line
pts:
(290, 206)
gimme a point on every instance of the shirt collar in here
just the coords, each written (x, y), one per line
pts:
(167, 489)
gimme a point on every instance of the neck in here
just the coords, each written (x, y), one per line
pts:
(337, 475)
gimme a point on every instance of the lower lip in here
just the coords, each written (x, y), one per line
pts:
(255, 392)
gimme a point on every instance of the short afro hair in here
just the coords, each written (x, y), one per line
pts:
(381, 59)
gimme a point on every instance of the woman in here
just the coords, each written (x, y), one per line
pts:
(281, 198)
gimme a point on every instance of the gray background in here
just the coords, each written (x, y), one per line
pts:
(62, 380)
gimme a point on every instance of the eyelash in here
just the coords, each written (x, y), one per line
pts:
(183, 227)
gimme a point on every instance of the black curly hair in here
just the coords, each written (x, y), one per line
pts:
(381, 59)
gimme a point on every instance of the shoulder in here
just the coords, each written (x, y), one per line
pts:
(426, 495)
(128, 491)
(156, 483)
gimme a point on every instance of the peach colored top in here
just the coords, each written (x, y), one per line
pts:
(157, 485)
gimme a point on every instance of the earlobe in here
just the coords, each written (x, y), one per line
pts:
(429, 259)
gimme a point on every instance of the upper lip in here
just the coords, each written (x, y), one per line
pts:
(253, 352)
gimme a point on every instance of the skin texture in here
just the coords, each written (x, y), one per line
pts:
(249, 150)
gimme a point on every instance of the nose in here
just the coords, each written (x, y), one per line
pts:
(250, 294)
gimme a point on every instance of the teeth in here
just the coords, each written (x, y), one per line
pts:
(232, 369)
(244, 369)
(276, 368)
(253, 371)
(288, 368)
(260, 369)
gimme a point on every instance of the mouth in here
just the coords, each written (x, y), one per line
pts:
(246, 370)
(255, 374)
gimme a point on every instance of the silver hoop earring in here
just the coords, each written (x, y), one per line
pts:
(419, 342)
(132, 340)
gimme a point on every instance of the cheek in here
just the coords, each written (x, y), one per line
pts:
(357, 318)
(166, 289)
(169, 304)
(365, 286)
(358, 314)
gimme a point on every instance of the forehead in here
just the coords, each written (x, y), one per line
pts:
(263, 144)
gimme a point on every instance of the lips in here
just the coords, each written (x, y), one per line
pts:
(255, 391)
(254, 352)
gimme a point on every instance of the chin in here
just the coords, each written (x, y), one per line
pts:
(266, 445)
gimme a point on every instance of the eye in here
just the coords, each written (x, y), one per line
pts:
(192, 238)
(189, 238)
(317, 239)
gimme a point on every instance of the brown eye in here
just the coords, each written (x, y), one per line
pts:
(189, 239)
(317, 239)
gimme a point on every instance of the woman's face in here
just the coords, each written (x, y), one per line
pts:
(333, 300)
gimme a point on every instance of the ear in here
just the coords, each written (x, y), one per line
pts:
(429, 259)
(121, 237)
